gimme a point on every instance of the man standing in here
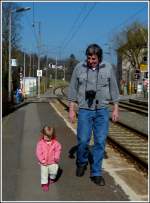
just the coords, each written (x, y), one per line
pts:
(93, 85)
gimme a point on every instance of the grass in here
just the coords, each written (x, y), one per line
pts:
(52, 83)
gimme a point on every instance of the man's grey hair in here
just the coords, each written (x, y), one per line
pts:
(96, 50)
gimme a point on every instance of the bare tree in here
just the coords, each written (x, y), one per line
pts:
(70, 64)
(15, 37)
(132, 44)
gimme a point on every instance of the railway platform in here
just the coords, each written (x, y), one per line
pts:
(21, 174)
(135, 120)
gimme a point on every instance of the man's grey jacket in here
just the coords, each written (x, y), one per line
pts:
(102, 81)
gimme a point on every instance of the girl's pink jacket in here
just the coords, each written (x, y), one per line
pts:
(48, 153)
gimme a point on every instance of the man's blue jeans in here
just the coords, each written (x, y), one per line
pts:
(98, 122)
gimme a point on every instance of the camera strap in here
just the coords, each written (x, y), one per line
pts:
(87, 71)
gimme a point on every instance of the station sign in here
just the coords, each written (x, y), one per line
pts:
(14, 62)
(143, 67)
(39, 73)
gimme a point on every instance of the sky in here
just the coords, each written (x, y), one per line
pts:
(69, 27)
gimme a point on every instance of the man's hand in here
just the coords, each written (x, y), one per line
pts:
(115, 113)
(72, 113)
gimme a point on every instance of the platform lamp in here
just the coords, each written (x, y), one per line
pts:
(9, 58)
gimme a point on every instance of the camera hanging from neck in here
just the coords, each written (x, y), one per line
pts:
(91, 94)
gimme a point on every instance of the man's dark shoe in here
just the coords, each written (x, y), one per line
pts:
(80, 170)
(98, 180)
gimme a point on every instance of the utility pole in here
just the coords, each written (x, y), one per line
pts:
(39, 47)
(46, 72)
(10, 69)
(59, 53)
(24, 65)
(56, 71)
(9, 49)
(30, 66)
(33, 66)
(64, 73)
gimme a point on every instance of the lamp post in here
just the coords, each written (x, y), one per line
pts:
(64, 73)
(24, 64)
(9, 50)
(55, 72)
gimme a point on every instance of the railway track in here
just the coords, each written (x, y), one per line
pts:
(142, 109)
(128, 141)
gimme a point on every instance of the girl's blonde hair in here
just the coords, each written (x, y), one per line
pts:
(49, 132)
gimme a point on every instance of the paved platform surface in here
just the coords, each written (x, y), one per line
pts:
(21, 172)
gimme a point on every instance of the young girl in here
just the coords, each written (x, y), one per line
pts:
(48, 152)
